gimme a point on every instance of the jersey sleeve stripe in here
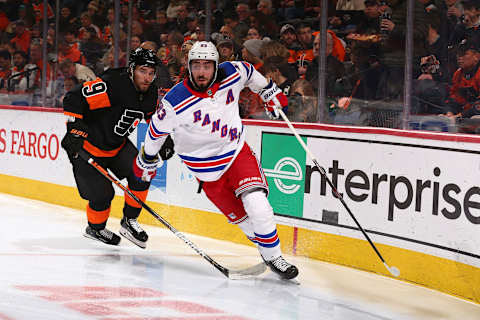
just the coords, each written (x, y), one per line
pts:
(251, 72)
(247, 68)
(207, 164)
(189, 158)
(154, 133)
(219, 168)
(178, 110)
(232, 81)
(71, 114)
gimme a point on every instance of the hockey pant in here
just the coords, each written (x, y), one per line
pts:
(241, 195)
(99, 191)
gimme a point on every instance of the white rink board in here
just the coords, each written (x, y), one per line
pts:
(392, 155)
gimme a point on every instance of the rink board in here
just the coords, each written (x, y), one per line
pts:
(414, 192)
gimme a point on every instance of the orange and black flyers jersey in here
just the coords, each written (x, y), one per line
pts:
(112, 108)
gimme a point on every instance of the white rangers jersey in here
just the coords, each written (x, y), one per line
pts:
(205, 126)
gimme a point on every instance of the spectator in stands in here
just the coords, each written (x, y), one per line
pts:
(239, 28)
(86, 21)
(350, 5)
(291, 10)
(199, 33)
(68, 84)
(5, 69)
(36, 59)
(277, 69)
(21, 41)
(137, 28)
(160, 25)
(274, 48)
(253, 33)
(38, 10)
(23, 74)
(225, 49)
(430, 91)
(266, 17)
(469, 22)
(464, 95)
(243, 12)
(251, 53)
(393, 47)
(4, 21)
(67, 18)
(26, 14)
(81, 72)
(335, 68)
(174, 54)
(93, 10)
(454, 11)
(302, 102)
(370, 20)
(181, 18)
(162, 77)
(437, 43)
(227, 32)
(135, 42)
(288, 37)
(92, 47)
(67, 51)
(36, 32)
(305, 39)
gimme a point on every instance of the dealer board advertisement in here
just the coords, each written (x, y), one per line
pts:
(415, 196)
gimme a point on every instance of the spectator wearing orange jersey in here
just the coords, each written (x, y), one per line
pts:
(4, 21)
(65, 51)
(38, 10)
(21, 41)
(338, 49)
(288, 37)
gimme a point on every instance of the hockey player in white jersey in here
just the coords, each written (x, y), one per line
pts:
(202, 115)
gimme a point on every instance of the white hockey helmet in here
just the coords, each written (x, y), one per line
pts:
(203, 50)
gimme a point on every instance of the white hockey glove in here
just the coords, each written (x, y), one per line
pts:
(145, 167)
(274, 100)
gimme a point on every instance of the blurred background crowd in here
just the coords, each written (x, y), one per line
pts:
(360, 70)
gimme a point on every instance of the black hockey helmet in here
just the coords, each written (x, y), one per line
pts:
(142, 57)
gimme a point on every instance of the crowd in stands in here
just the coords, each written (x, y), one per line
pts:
(365, 51)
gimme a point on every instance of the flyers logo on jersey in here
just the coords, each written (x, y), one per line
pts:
(95, 92)
(128, 122)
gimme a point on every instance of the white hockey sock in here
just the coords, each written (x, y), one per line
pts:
(261, 220)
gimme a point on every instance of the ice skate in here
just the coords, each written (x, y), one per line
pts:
(281, 267)
(104, 235)
(132, 231)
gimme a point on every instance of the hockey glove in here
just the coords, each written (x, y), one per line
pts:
(274, 100)
(145, 167)
(167, 151)
(72, 142)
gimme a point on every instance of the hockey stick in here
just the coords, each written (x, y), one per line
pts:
(229, 273)
(393, 270)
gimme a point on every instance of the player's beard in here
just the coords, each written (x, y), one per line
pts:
(202, 87)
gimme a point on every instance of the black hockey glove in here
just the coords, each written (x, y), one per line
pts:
(167, 151)
(73, 140)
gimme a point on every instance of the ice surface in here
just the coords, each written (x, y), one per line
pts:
(50, 271)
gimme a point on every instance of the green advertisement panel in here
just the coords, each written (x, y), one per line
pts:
(283, 161)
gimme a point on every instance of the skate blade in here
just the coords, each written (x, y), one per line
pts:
(86, 235)
(127, 235)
